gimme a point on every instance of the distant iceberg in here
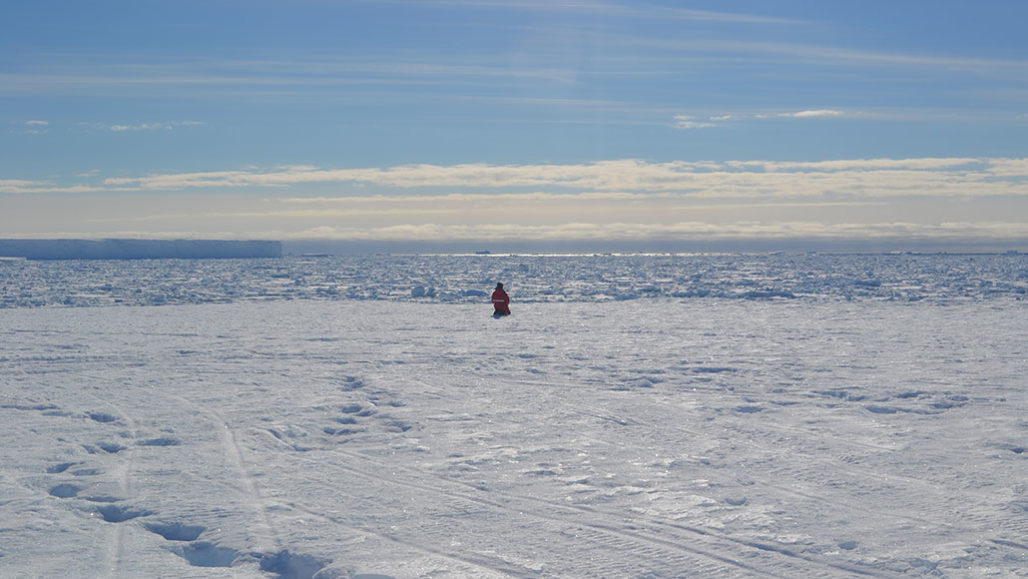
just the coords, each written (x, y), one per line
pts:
(138, 248)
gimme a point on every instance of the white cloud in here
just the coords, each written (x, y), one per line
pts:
(853, 179)
(717, 120)
(679, 231)
(811, 114)
(623, 199)
(1009, 168)
(31, 127)
(687, 122)
(856, 178)
(143, 127)
(160, 126)
(19, 187)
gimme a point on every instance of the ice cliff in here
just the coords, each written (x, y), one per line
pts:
(137, 248)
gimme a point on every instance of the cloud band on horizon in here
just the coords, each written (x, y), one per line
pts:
(615, 200)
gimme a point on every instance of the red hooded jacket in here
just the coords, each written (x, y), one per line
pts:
(501, 300)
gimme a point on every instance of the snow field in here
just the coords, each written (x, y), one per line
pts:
(645, 438)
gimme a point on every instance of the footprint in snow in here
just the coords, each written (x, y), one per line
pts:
(341, 431)
(65, 491)
(882, 409)
(68, 467)
(398, 426)
(163, 441)
(103, 499)
(27, 407)
(205, 554)
(120, 514)
(749, 409)
(105, 447)
(175, 531)
(102, 417)
(351, 383)
(286, 564)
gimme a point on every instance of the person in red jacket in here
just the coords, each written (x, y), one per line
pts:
(501, 301)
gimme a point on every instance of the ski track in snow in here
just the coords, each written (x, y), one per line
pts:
(640, 438)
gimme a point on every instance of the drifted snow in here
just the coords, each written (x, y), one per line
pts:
(646, 438)
(416, 436)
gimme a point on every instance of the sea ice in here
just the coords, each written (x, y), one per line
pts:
(659, 437)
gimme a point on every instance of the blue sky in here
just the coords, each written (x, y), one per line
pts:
(512, 120)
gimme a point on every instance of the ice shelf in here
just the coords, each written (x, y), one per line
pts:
(137, 248)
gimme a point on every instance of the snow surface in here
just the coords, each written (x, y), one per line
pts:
(323, 418)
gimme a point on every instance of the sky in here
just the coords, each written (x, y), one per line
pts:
(490, 123)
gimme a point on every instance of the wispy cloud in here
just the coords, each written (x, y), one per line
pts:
(624, 56)
(680, 231)
(103, 74)
(722, 120)
(18, 185)
(638, 10)
(865, 178)
(626, 199)
(765, 51)
(690, 122)
(159, 126)
(812, 114)
(898, 232)
(32, 127)
(22, 187)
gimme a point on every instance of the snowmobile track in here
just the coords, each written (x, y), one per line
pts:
(614, 547)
